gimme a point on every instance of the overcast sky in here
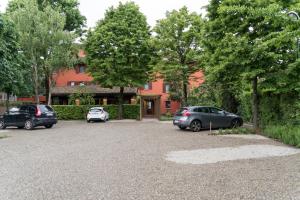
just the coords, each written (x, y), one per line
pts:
(153, 9)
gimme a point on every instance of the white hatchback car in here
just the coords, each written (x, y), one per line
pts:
(97, 114)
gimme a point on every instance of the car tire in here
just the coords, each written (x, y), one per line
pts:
(49, 126)
(235, 123)
(88, 121)
(182, 127)
(2, 124)
(195, 126)
(28, 125)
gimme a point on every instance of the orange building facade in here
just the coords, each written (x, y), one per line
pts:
(155, 98)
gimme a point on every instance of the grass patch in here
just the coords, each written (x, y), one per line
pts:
(286, 133)
(3, 136)
(165, 118)
(240, 130)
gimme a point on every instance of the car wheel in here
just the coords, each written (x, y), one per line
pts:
(2, 124)
(28, 125)
(88, 121)
(195, 126)
(235, 123)
(182, 127)
(49, 126)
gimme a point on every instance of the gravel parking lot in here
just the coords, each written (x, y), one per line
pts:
(128, 160)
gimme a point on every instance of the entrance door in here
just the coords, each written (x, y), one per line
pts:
(149, 108)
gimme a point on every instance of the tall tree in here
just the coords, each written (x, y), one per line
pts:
(177, 41)
(118, 49)
(254, 41)
(44, 42)
(12, 71)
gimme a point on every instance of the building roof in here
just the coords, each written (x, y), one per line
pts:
(92, 89)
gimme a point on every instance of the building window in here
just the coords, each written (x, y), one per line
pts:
(72, 83)
(166, 88)
(81, 84)
(148, 86)
(168, 104)
(81, 69)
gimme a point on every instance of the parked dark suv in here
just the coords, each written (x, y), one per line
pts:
(202, 117)
(28, 117)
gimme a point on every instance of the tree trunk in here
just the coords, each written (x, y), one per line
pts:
(49, 92)
(185, 94)
(7, 101)
(121, 103)
(255, 105)
(36, 84)
(47, 89)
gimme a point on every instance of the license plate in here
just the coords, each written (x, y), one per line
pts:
(49, 114)
(176, 121)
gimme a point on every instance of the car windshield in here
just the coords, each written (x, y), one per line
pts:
(96, 110)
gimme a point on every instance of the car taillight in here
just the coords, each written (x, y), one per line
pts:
(38, 112)
(186, 113)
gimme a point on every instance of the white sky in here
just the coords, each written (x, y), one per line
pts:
(154, 10)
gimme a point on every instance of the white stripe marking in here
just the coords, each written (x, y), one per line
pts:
(214, 155)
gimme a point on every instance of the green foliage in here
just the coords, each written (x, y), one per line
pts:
(72, 112)
(239, 130)
(132, 112)
(82, 95)
(45, 43)
(286, 133)
(69, 8)
(177, 43)
(13, 72)
(118, 50)
(253, 40)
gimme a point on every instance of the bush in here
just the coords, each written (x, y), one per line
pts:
(72, 112)
(287, 134)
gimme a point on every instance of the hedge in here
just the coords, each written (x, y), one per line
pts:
(73, 112)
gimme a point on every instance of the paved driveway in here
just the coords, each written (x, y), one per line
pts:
(128, 160)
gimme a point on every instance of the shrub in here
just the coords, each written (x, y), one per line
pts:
(287, 134)
(72, 112)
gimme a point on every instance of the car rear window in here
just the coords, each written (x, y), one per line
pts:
(179, 112)
(45, 108)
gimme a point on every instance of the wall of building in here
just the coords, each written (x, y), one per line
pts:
(195, 80)
(63, 77)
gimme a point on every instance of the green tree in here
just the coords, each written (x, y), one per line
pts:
(118, 50)
(253, 41)
(12, 71)
(44, 42)
(177, 41)
(74, 20)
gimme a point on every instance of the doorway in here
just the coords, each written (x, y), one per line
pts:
(150, 106)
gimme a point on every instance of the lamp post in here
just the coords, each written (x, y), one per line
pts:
(295, 15)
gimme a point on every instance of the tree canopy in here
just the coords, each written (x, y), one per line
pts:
(177, 40)
(69, 8)
(118, 49)
(44, 41)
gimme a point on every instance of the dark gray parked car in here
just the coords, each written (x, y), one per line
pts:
(200, 117)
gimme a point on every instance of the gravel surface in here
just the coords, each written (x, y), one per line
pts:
(120, 161)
